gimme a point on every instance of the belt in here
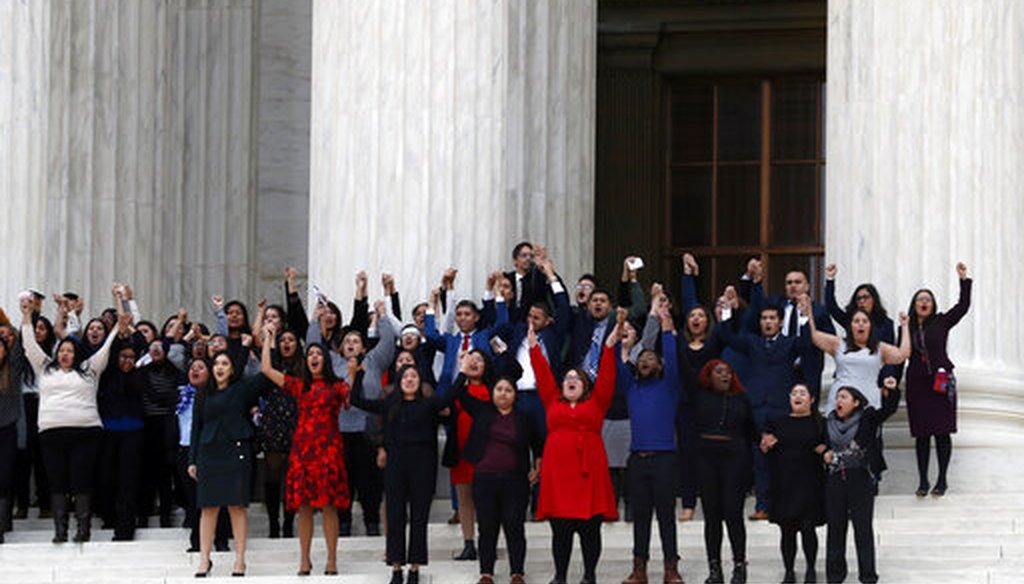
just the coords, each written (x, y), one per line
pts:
(650, 453)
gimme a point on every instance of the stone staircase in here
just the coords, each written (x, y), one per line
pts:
(973, 535)
(962, 538)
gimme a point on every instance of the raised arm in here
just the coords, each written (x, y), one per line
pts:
(690, 272)
(892, 355)
(33, 352)
(824, 341)
(98, 361)
(669, 350)
(218, 311)
(297, 319)
(547, 388)
(604, 385)
(266, 367)
(834, 310)
(963, 304)
(360, 320)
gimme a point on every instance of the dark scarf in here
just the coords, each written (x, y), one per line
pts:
(842, 432)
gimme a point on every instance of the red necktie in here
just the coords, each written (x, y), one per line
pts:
(465, 342)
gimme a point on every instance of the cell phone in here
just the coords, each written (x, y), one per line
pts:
(498, 345)
(634, 263)
(319, 295)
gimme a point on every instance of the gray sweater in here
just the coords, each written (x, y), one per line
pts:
(376, 363)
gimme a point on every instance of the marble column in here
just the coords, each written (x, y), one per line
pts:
(443, 132)
(128, 149)
(925, 140)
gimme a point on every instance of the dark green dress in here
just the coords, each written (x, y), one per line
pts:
(222, 435)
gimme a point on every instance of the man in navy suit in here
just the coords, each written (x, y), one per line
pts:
(589, 331)
(771, 376)
(551, 328)
(808, 366)
(468, 337)
(527, 280)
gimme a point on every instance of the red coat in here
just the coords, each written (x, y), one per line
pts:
(575, 482)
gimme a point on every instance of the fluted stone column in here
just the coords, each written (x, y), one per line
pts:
(127, 149)
(443, 132)
(925, 118)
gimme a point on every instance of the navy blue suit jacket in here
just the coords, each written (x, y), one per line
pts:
(451, 344)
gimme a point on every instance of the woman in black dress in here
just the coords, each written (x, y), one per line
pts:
(278, 416)
(793, 446)
(220, 455)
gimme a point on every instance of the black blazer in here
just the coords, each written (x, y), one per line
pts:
(869, 433)
(484, 414)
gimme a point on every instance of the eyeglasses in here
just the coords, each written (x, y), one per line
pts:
(584, 286)
(860, 297)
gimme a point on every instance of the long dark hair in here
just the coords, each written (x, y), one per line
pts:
(78, 366)
(913, 313)
(201, 392)
(877, 310)
(335, 334)
(294, 365)
(236, 371)
(7, 378)
(707, 317)
(51, 336)
(488, 374)
(327, 374)
(851, 345)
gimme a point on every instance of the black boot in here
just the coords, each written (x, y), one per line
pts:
(59, 509)
(83, 517)
(468, 552)
(715, 575)
(288, 527)
(739, 572)
(5, 516)
(397, 577)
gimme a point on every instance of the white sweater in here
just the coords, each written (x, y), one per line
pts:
(67, 399)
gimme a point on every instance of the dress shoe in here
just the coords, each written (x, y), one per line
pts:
(207, 572)
(922, 489)
(468, 553)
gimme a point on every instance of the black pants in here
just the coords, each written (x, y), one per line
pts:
(275, 471)
(119, 478)
(501, 501)
(409, 484)
(70, 457)
(687, 453)
(724, 469)
(652, 489)
(562, 531)
(30, 460)
(850, 498)
(364, 478)
(8, 455)
(159, 472)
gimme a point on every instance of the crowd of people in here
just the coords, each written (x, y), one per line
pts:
(554, 408)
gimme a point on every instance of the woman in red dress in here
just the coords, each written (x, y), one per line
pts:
(576, 492)
(316, 465)
(461, 475)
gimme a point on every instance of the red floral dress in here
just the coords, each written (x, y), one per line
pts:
(316, 464)
(462, 473)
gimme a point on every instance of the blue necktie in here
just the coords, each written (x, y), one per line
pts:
(594, 356)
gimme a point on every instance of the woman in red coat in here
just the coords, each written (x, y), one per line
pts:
(575, 487)
(316, 476)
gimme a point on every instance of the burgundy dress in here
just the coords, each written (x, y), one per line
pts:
(930, 412)
(316, 464)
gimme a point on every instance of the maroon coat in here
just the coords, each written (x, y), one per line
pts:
(931, 412)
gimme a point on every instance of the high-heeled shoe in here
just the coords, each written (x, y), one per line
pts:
(330, 572)
(939, 490)
(305, 572)
(207, 572)
(922, 490)
(237, 574)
